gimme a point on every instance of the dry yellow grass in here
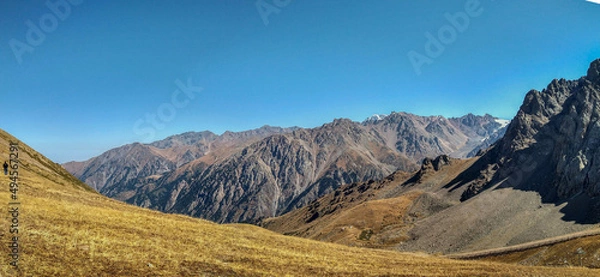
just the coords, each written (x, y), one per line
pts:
(68, 230)
(365, 224)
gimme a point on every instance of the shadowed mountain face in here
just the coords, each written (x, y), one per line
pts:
(552, 147)
(269, 171)
(541, 180)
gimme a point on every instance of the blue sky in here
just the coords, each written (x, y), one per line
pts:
(107, 73)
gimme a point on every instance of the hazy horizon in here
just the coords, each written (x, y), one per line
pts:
(80, 77)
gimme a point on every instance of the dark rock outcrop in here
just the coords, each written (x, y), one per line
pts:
(552, 146)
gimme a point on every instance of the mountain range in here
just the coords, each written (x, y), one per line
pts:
(65, 228)
(539, 181)
(530, 198)
(247, 176)
(376, 183)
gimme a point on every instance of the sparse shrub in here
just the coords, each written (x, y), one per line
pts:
(365, 234)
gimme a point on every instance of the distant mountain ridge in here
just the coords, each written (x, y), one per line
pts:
(133, 161)
(265, 172)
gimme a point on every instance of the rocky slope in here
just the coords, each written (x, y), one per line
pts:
(375, 213)
(135, 162)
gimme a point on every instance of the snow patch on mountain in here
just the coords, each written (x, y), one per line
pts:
(503, 122)
(375, 118)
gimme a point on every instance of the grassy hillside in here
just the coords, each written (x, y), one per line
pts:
(68, 230)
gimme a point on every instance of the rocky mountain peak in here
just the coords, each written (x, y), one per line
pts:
(342, 122)
(593, 73)
(552, 145)
(374, 119)
(188, 138)
(472, 120)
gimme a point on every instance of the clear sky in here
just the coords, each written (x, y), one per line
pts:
(80, 77)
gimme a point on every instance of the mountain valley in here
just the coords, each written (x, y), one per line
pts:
(67, 229)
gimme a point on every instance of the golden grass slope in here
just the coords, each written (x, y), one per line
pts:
(68, 230)
(370, 224)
